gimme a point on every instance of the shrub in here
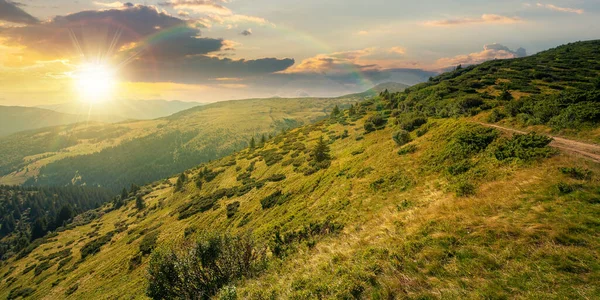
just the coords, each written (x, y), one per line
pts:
(93, 247)
(496, 116)
(401, 137)
(577, 173)
(72, 289)
(413, 123)
(375, 122)
(459, 168)
(408, 149)
(148, 243)
(232, 208)
(198, 270)
(564, 188)
(20, 292)
(464, 189)
(42, 267)
(135, 261)
(524, 147)
(277, 198)
(276, 177)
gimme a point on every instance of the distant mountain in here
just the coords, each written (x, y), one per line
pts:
(392, 87)
(126, 109)
(18, 118)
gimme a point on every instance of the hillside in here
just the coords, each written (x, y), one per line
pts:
(116, 155)
(17, 118)
(125, 109)
(405, 195)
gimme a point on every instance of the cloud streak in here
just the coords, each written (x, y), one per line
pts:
(484, 19)
(561, 9)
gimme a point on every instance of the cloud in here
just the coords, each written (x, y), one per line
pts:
(561, 9)
(337, 62)
(362, 32)
(397, 50)
(199, 6)
(490, 51)
(484, 19)
(246, 32)
(149, 45)
(11, 12)
(115, 4)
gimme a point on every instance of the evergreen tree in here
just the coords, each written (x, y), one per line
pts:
(252, 143)
(263, 139)
(65, 214)
(124, 194)
(180, 181)
(38, 229)
(352, 110)
(335, 112)
(134, 188)
(321, 151)
(139, 202)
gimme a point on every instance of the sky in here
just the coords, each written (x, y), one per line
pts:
(213, 50)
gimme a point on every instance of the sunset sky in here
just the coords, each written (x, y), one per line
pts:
(211, 50)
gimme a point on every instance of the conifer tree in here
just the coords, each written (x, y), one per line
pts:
(124, 194)
(180, 181)
(252, 143)
(263, 139)
(335, 112)
(139, 202)
(321, 151)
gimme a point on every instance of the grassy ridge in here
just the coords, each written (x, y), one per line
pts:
(405, 204)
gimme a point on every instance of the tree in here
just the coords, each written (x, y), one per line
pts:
(65, 214)
(180, 181)
(321, 151)
(252, 143)
(263, 139)
(38, 229)
(352, 110)
(401, 137)
(335, 112)
(505, 95)
(134, 188)
(124, 194)
(139, 202)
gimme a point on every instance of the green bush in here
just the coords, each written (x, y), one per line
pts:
(496, 116)
(564, 188)
(276, 178)
(20, 292)
(277, 198)
(464, 189)
(413, 123)
(375, 122)
(148, 243)
(524, 147)
(93, 247)
(199, 270)
(577, 173)
(407, 149)
(72, 289)
(232, 208)
(401, 137)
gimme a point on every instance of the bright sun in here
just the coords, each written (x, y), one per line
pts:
(94, 82)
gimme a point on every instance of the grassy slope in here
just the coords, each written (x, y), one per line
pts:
(230, 122)
(516, 237)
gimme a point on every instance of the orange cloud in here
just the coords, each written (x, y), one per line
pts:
(484, 19)
(561, 9)
(490, 51)
(397, 50)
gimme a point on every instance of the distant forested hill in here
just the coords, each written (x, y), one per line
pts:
(117, 155)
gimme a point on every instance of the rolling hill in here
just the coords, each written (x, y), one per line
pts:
(125, 109)
(116, 155)
(404, 195)
(18, 118)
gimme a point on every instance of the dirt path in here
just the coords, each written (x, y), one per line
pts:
(589, 151)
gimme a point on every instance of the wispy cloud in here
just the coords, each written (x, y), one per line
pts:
(561, 9)
(115, 4)
(397, 50)
(484, 19)
(199, 6)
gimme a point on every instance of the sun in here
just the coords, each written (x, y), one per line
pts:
(95, 82)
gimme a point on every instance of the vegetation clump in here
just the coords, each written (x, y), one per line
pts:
(232, 208)
(524, 147)
(276, 198)
(200, 269)
(401, 137)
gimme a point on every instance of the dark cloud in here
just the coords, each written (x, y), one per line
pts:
(194, 69)
(246, 32)
(154, 45)
(11, 12)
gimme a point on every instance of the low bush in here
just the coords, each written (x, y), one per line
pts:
(464, 189)
(200, 269)
(232, 208)
(375, 122)
(401, 137)
(93, 247)
(408, 149)
(148, 243)
(72, 289)
(277, 198)
(276, 178)
(577, 173)
(525, 147)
